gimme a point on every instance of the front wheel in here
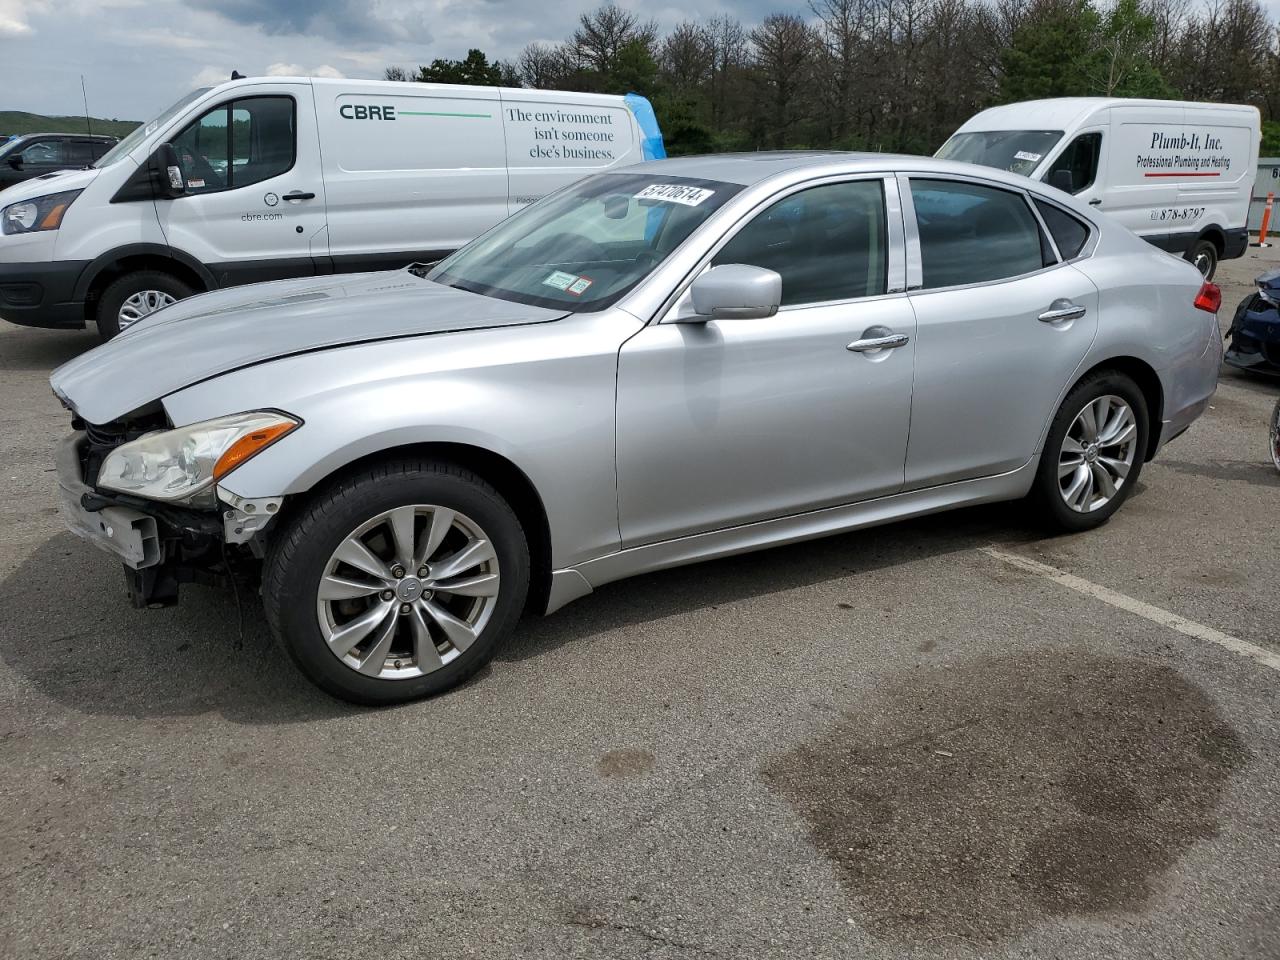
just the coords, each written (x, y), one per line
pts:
(397, 582)
(1093, 453)
(137, 295)
(1274, 435)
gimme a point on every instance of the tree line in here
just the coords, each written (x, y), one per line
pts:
(895, 75)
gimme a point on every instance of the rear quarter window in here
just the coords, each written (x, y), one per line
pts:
(1069, 233)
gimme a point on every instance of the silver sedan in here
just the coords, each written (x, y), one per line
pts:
(675, 361)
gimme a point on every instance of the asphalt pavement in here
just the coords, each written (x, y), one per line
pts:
(897, 743)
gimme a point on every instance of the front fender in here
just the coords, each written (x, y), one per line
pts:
(541, 397)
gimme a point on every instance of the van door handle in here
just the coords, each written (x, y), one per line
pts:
(299, 195)
(1062, 309)
(887, 341)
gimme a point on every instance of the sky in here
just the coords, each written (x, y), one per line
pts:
(138, 56)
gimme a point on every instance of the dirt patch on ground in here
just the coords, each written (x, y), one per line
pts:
(975, 802)
(627, 762)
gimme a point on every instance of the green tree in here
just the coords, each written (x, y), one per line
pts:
(475, 69)
(1052, 52)
(1123, 64)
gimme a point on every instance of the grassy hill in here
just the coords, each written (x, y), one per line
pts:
(17, 121)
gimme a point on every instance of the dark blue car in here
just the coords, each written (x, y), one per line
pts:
(1255, 330)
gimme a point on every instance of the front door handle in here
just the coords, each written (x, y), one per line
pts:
(299, 195)
(874, 339)
(1062, 309)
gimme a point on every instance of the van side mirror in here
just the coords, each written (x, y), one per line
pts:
(735, 291)
(1063, 180)
(15, 161)
(167, 174)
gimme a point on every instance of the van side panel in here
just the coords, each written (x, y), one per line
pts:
(551, 144)
(410, 171)
(1178, 171)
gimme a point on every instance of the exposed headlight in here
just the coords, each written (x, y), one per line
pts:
(182, 465)
(1266, 294)
(42, 213)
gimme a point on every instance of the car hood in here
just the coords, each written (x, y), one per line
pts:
(46, 183)
(215, 333)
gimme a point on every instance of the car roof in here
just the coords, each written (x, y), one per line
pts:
(752, 168)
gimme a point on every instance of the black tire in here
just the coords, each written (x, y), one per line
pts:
(300, 551)
(1203, 255)
(114, 297)
(1046, 493)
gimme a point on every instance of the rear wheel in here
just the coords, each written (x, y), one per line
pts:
(137, 295)
(1204, 256)
(1094, 452)
(398, 582)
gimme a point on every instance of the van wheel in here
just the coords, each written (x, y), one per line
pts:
(134, 296)
(1204, 257)
(1093, 454)
(399, 581)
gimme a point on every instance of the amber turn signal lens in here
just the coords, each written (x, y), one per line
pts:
(248, 445)
(53, 219)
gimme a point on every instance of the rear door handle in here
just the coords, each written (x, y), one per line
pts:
(1095, 203)
(1062, 309)
(889, 341)
(299, 195)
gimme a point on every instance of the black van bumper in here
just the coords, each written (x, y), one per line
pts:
(1236, 242)
(42, 294)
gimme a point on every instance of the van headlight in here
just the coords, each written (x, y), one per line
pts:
(183, 465)
(42, 213)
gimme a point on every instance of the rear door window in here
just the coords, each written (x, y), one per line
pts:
(972, 233)
(43, 153)
(1069, 233)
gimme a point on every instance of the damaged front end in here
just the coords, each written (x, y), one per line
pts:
(205, 535)
(1254, 337)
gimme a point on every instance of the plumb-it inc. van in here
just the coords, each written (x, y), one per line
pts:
(1177, 174)
(268, 178)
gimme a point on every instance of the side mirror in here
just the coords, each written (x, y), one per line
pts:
(167, 174)
(16, 161)
(735, 291)
(1063, 180)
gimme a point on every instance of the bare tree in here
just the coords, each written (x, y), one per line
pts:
(783, 48)
(543, 67)
(603, 33)
(686, 56)
(395, 73)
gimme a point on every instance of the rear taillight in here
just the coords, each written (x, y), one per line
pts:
(1209, 298)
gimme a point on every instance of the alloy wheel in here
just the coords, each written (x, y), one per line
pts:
(1097, 453)
(141, 304)
(408, 592)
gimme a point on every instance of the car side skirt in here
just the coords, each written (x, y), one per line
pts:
(571, 583)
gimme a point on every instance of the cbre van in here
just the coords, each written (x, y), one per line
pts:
(268, 178)
(1177, 174)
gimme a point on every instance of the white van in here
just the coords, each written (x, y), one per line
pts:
(267, 178)
(1176, 174)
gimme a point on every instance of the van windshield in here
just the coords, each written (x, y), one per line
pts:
(584, 247)
(1018, 151)
(142, 131)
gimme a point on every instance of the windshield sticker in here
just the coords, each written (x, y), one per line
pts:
(1024, 155)
(579, 286)
(675, 193)
(562, 281)
(195, 184)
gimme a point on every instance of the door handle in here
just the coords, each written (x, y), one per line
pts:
(887, 342)
(1062, 309)
(1096, 203)
(299, 195)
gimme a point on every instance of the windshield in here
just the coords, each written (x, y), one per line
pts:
(141, 132)
(584, 247)
(1019, 151)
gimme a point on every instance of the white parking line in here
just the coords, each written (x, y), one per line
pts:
(1189, 628)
